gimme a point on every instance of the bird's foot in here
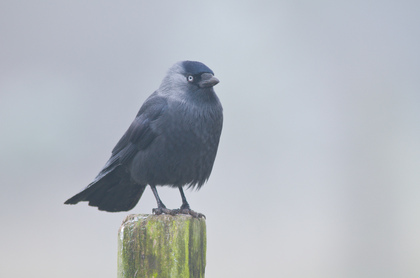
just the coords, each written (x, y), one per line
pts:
(181, 210)
(159, 211)
(191, 212)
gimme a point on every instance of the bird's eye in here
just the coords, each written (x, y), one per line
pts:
(190, 78)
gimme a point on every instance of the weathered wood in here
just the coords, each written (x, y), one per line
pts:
(162, 246)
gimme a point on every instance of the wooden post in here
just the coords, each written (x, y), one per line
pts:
(162, 246)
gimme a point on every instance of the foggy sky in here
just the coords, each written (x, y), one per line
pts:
(317, 173)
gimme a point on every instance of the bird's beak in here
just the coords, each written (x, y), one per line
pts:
(208, 80)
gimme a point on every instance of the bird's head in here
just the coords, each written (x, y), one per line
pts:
(189, 76)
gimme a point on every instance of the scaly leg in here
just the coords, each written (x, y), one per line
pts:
(161, 207)
(185, 207)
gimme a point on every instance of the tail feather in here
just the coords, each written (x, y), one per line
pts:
(113, 191)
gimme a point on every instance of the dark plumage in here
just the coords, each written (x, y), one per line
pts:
(172, 142)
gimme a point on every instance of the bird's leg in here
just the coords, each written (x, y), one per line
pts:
(185, 207)
(161, 207)
(185, 204)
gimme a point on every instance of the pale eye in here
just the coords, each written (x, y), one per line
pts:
(190, 78)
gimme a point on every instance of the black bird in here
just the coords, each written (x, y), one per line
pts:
(172, 142)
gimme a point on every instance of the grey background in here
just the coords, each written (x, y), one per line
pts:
(317, 173)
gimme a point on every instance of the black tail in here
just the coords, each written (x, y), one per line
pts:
(111, 191)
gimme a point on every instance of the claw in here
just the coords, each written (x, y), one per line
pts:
(159, 211)
(192, 213)
(188, 211)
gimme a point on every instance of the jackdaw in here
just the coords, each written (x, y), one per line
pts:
(172, 142)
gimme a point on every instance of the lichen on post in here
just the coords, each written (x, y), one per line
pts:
(162, 246)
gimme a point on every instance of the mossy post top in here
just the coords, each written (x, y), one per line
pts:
(162, 246)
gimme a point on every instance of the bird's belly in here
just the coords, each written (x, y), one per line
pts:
(183, 160)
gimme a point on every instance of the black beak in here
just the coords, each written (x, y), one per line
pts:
(208, 80)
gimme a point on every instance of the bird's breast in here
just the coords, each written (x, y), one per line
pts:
(184, 150)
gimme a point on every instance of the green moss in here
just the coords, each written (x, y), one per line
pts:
(162, 246)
